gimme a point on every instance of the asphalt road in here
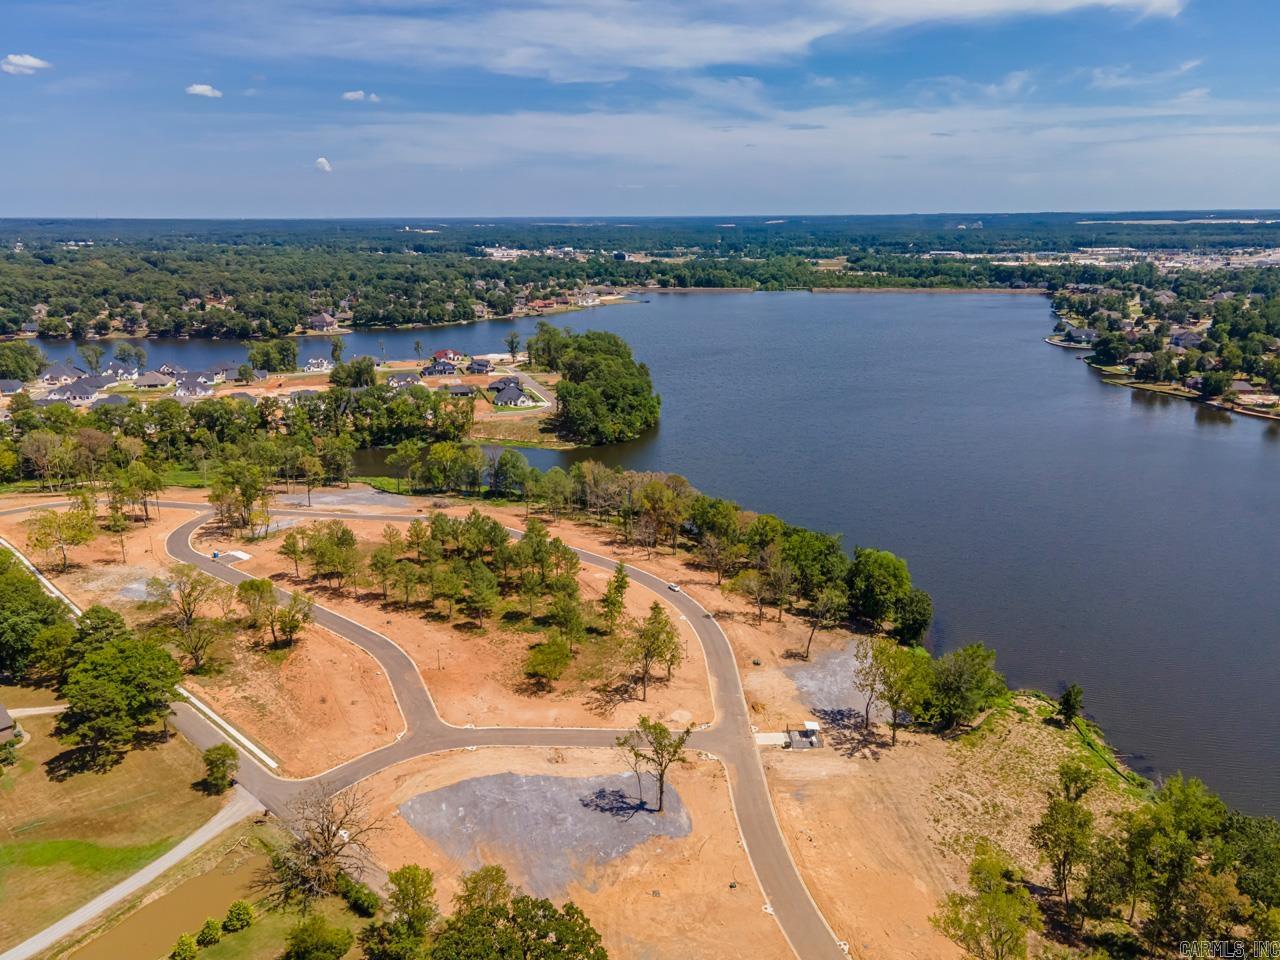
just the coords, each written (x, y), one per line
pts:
(729, 738)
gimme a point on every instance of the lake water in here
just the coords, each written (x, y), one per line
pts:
(1091, 534)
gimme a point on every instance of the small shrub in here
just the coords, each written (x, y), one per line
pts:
(316, 939)
(185, 948)
(209, 934)
(548, 661)
(239, 917)
(8, 753)
(359, 896)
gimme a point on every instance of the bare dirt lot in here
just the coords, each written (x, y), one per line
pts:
(312, 707)
(882, 836)
(320, 704)
(667, 897)
(477, 676)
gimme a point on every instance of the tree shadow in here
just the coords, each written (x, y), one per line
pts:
(616, 803)
(76, 760)
(843, 730)
(514, 617)
(468, 626)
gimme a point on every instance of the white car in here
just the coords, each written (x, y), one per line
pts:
(673, 587)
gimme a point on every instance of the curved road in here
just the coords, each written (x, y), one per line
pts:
(729, 738)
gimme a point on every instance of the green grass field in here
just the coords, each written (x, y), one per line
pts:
(64, 842)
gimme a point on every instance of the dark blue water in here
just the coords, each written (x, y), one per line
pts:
(1091, 534)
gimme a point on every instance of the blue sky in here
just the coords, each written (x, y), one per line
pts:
(412, 108)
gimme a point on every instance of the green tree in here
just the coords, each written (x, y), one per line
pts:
(652, 746)
(654, 641)
(512, 340)
(1064, 836)
(826, 610)
(524, 928)
(878, 581)
(1069, 704)
(486, 886)
(906, 682)
(115, 692)
(292, 549)
(28, 611)
(912, 616)
(993, 920)
(613, 603)
(315, 938)
(964, 683)
(221, 762)
(61, 530)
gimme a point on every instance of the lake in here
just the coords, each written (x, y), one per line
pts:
(1089, 533)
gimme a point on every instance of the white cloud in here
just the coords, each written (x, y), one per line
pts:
(203, 90)
(323, 165)
(1116, 78)
(23, 64)
(609, 39)
(356, 96)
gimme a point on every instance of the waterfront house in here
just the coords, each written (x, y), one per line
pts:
(1134, 359)
(60, 373)
(171, 369)
(480, 366)
(452, 356)
(9, 387)
(318, 365)
(152, 380)
(120, 372)
(1079, 335)
(502, 382)
(512, 396)
(1244, 387)
(399, 381)
(322, 323)
(441, 368)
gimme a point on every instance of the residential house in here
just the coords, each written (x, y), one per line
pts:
(152, 380)
(458, 390)
(441, 368)
(1186, 338)
(318, 365)
(8, 726)
(1244, 387)
(9, 387)
(1079, 335)
(110, 400)
(480, 366)
(1134, 359)
(399, 381)
(322, 323)
(79, 394)
(512, 396)
(171, 370)
(299, 395)
(120, 372)
(59, 374)
(193, 387)
(451, 356)
(502, 382)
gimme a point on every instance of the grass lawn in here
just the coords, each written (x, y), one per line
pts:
(13, 696)
(265, 939)
(62, 843)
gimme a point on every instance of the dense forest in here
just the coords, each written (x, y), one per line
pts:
(264, 278)
(605, 396)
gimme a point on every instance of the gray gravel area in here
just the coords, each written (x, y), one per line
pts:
(355, 497)
(547, 831)
(825, 682)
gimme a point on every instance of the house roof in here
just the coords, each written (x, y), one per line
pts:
(6, 721)
(458, 390)
(10, 386)
(509, 396)
(60, 369)
(114, 400)
(504, 382)
(153, 378)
